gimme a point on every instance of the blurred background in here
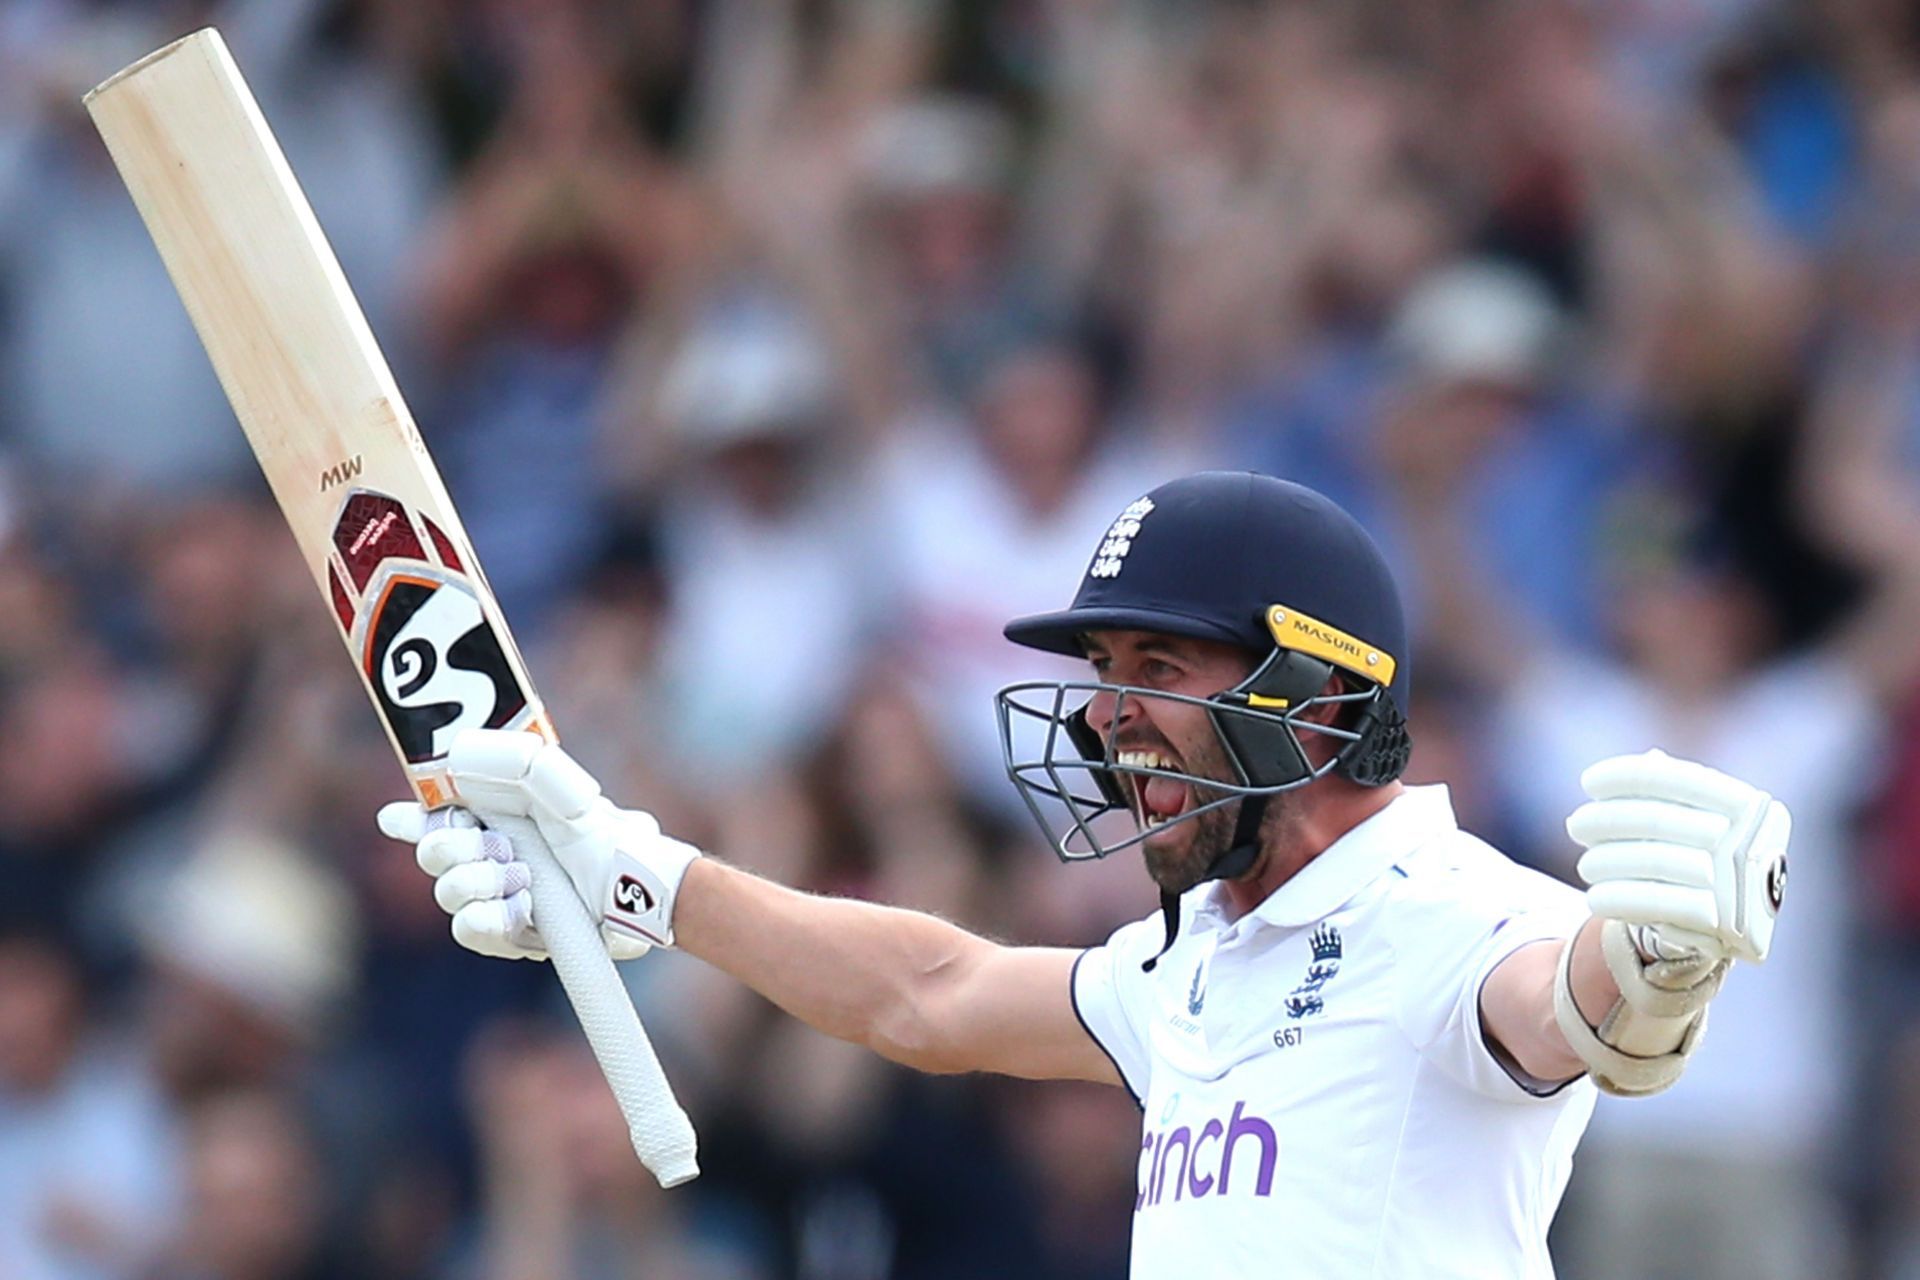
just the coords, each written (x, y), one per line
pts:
(776, 352)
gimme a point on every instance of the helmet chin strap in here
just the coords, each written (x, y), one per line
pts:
(1234, 862)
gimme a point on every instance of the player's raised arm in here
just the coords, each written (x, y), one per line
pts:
(910, 986)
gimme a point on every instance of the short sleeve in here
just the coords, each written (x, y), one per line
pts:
(1108, 990)
(1446, 947)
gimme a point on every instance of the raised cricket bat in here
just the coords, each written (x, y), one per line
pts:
(352, 474)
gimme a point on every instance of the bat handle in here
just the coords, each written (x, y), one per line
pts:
(662, 1135)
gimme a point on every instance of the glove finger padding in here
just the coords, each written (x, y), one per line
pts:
(1620, 818)
(1695, 854)
(482, 881)
(1659, 775)
(1650, 902)
(441, 851)
(1654, 860)
(409, 820)
(499, 927)
(403, 820)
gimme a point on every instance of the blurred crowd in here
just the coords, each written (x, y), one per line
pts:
(777, 352)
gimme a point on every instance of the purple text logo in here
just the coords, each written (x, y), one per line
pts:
(1184, 1162)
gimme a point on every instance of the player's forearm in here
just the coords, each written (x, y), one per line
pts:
(861, 972)
(1516, 1005)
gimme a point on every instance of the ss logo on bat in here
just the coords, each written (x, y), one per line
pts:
(438, 667)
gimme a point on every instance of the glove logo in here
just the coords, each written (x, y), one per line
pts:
(1777, 883)
(630, 895)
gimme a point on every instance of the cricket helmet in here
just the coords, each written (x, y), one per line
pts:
(1264, 564)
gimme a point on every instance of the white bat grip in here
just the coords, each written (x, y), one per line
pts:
(662, 1135)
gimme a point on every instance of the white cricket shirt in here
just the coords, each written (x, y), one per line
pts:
(1319, 1098)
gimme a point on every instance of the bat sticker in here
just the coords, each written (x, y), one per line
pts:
(437, 666)
(435, 663)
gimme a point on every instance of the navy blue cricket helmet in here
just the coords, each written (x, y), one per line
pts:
(1270, 566)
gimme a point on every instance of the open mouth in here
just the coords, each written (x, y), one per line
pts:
(1158, 801)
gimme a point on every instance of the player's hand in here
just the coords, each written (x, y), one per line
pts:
(477, 880)
(1695, 856)
(623, 867)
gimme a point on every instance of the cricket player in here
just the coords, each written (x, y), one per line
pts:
(1363, 1041)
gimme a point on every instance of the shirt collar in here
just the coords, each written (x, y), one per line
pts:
(1349, 864)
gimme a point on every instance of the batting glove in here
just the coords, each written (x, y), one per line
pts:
(1685, 869)
(624, 869)
(1695, 858)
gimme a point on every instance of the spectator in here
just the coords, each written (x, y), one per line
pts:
(251, 956)
(1478, 359)
(562, 1187)
(90, 1170)
(763, 537)
(565, 223)
(1031, 479)
(117, 414)
(257, 1194)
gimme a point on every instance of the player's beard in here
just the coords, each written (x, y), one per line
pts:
(1177, 864)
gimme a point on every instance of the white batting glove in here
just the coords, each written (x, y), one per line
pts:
(1694, 857)
(625, 870)
(623, 866)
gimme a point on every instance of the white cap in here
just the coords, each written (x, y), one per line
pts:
(1478, 320)
(260, 919)
(746, 372)
(938, 142)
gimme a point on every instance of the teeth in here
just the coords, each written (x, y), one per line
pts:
(1148, 760)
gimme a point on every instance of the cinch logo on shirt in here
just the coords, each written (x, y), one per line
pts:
(1180, 1162)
